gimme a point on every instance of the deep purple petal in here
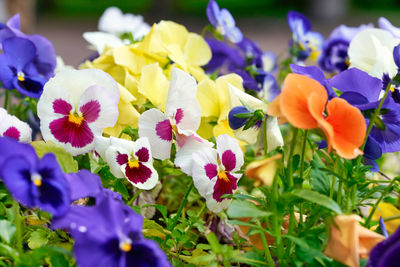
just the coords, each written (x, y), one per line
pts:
(122, 159)
(19, 52)
(235, 122)
(146, 253)
(179, 115)
(10, 147)
(386, 253)
(164, 130)
(298, 23)
(228, 160)
(83, 184)
(212, 12)
(355, 80)
(6, 74)
(31, 86)
(223, 187)
(138, 175)
(45, 60)
(61, 106)
(396, 55)
(211, 170)
(372, 150)
(12, 132)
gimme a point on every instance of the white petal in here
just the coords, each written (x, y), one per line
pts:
(183, 157)
(274, 135)
(7, 121)
(161, 149)
(101, 144)
(236, 96)
(123, 145)
(201, 181)
(108, 115)
(182, 95)
(143, 142)
(99, 40)
(111, 157)
(250, 135)
(226, 143)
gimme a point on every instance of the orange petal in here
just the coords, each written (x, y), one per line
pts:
(349, 128)
(274, 109)
(294, 101)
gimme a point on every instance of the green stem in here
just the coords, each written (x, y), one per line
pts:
(290, 162)
(135, 196)
(268, 256)
(6, 96)
(17, 222)
(275, 221)
(332, 190)
(303, 150)
(387, 189)
(265, 136)
(391, 218)
(178, 213)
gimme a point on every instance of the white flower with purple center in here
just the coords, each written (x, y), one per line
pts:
(181, 118)
(12, 127)
(75, 107)
(215, 172)
(129, 159)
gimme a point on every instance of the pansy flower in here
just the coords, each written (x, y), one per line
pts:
(223, 22)
(17, 67)
(181, 118)
(32, 181)
(109, 231)
(215, 172)
(129, 159)
(304, 103)
(44, 56)
(304, 43)
(76, 106)
(386, 253)
(12, 127)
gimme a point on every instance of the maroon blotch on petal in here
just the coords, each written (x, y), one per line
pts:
(164, 130)
(91, 110)
(178, 115)
(122, 159)
(211, 170)
(229, 160)
(139, 174)
(68, 132)
(143, 154)
(61, 106)
(12, 132)
(223, 187)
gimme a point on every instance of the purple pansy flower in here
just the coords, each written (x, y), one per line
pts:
(304, 41)
(45, 55)
(224, 57)
(17, 67)
(334, 57)
(223, 22)
(386, 253)
(364, 91)
(110, 231)
(32, 181)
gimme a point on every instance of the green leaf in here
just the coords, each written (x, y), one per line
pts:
(8, 251)
(7, 231)
(317, 198)
(65, 159)
(243, 208)
(59, 260)
(38, 238)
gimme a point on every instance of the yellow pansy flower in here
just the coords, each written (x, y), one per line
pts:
(387, 210)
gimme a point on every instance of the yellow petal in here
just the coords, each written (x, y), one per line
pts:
(263, 171)
(208, 98)
(206, 128)
(196, 50)
(385, 210)
(154, 85)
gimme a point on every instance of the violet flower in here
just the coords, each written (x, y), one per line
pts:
(45, 56)
(223, 22)
(32, 181)
(17, 67)
(110, 231)
(386, 253)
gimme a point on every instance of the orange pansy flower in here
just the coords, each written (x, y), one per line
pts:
(303, 102)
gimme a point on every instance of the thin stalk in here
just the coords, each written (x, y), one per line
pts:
(275, 222)
(17, 222)
(6, 96)
(268, 256)
(332, 189)
(391, 218)
(265, 136)
(290, 162)
(135, 196)
(178, 213)
(303, 150)
(378, 201)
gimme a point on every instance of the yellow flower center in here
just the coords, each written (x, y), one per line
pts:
(392, 88)
(36, 179)
(125, 246)
(75, 118)
(222, 175)
(21, 76)
(133, 163)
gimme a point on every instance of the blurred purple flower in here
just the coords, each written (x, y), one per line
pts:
(223, 22)
(334, 57)
(385, 24)
(32, 181)
(108, 233)
(45, 56)
(386, 253)
(17, 67)
(304, 41)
